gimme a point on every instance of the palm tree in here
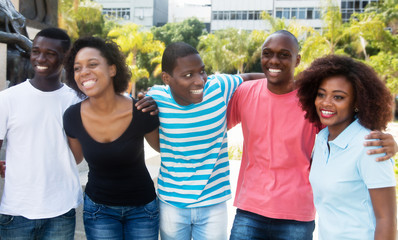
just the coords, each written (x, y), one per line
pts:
(133, 41)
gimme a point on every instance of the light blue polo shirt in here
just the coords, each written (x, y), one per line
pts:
(340, 180)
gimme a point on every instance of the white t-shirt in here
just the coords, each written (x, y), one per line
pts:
(42, 179)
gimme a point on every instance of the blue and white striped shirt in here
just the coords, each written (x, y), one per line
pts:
(194, 169)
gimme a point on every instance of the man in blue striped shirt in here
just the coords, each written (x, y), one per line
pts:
(193, 183)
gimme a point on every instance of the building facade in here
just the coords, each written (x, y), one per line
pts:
(147, 13)
(247, 14)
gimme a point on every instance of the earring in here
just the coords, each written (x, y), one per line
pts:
(356, 110)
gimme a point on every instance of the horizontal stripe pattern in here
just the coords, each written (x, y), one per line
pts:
(194, 169)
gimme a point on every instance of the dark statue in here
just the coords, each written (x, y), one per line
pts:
(13, 33)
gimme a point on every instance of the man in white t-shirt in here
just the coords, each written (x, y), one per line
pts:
(42, 187)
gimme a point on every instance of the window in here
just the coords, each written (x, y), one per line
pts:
(233, 15)
(239, 15)
(121, 13)
(244, 15)
(215, 15)
(278, 13)
(286, 13)
(257, 15)
(357, 4)
(226, 15)
(301, 14)
(251, 15)
(309, 13)
(343, 4)
(317, 13)
(294, 13)
(350, 4)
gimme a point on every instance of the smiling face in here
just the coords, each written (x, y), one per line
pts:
(335, 104)
(279, 57)
(188, 80)
(46, 57)
(93, 74)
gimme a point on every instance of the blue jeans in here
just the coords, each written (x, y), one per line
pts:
(249, 225)
(121, 222)
(200, 223)
(57, 228)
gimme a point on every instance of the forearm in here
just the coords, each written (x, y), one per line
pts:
(251, 76)
(386, 229)
(385, 210)
(153, 139)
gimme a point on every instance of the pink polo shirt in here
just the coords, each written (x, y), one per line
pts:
(278, 140)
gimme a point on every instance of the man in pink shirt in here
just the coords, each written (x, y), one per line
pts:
(274, 196)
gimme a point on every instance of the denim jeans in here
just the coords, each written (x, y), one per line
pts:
(201, 223)
(121, 222)
(249, 225)
(57, 228)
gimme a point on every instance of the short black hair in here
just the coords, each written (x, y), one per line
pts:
(110, 51)
(289, 34)
(56, 33)
(174, 51)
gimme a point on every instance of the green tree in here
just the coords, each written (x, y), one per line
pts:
(214, 53)
(388, 11)
(326, 41)
(133, 42)
(66, 17)
(83, 18)
(187, 31)
(89, 19)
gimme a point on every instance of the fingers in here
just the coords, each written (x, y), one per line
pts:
(140, 95)
(147, 104)
(155, 112)
(376, 135)
(387, 144)
(144, 103)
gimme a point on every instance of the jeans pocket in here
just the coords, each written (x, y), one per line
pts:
(152, 208)
(90, 208)
(6, 219)
(70, 214)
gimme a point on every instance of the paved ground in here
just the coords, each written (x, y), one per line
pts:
(153, 163)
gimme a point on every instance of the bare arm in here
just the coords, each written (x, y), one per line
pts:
(153, 139)
(385, 209)
(76, 148)
(387, 143)
(251, 76)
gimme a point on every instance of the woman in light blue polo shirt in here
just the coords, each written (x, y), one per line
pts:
(354, 194)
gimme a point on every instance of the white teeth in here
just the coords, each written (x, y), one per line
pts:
(88, 83)
(275, 70)
(41, 67)
(199, 91)
(326, 112)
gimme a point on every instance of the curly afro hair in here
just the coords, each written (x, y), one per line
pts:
(371, 95)
(110, 51)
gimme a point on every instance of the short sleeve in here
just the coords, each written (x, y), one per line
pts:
(233, 112)
(4, 112)
(228, 84)
(68, 121)
(376, 174)
(148, 121)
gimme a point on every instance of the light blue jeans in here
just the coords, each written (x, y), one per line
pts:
(201, 223)
(121, 222)
(57, 228)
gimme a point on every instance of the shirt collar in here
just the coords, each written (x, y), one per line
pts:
(346, 135)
